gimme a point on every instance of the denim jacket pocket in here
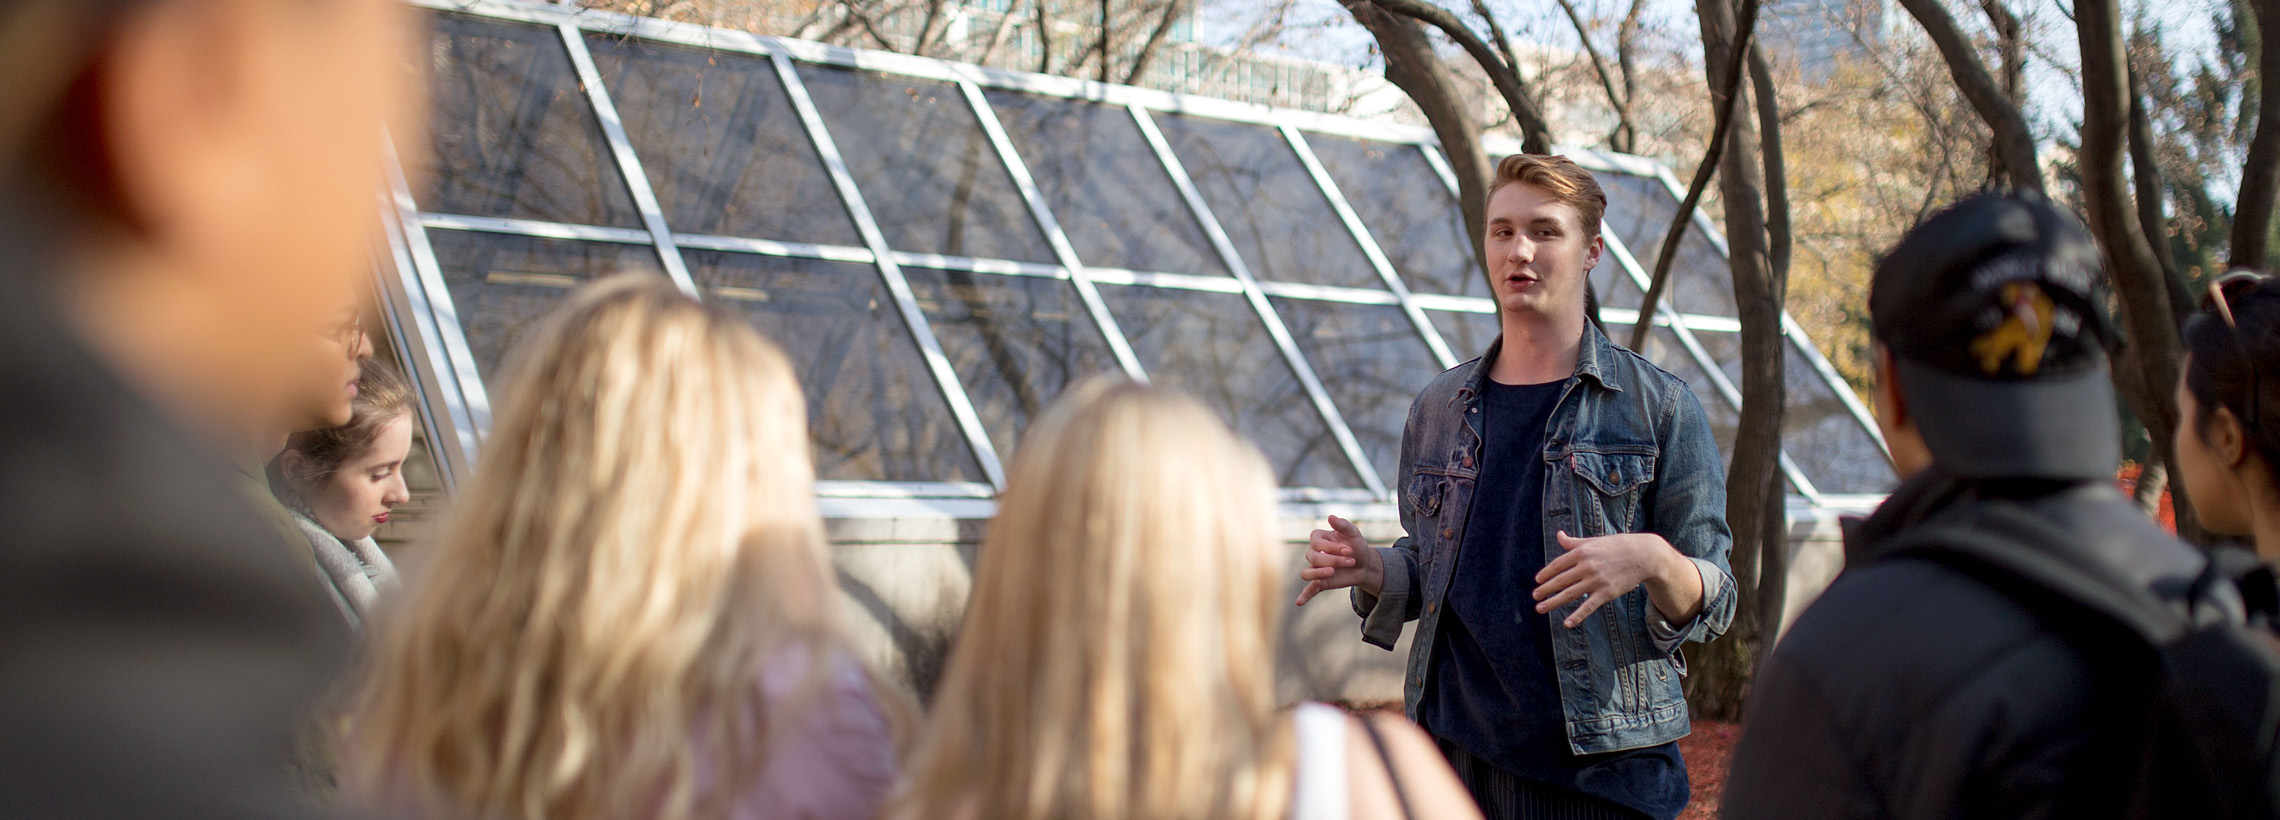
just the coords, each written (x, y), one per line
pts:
(1615, 478)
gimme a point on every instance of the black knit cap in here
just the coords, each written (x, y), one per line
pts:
(1994, 312)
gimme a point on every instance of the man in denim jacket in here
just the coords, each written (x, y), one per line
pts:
(1596, 547)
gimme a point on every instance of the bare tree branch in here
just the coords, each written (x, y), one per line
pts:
(1173, 11)
(2147, 177)
(1620, 103)
(926, 28)
(1044, 38)
(997, 36)
(1626, 47)
(1726, 106)
(2013, 142)
(1107, 37)
(1535, 131)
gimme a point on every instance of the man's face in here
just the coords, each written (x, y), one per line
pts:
(324, 375)
(1539, 252)
(248, 142)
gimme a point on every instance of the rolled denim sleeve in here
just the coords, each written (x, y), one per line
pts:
(1688, 509)
(1401, 601)
(1669, 635)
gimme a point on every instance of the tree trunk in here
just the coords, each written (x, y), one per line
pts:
(1773, 561)
(1411, 65)
(1752, 488)
(2260, 177)
(2140, 286)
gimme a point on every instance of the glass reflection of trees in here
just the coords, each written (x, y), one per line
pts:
(514, 135)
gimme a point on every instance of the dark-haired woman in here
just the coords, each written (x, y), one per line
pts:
(342, 482)
(2228, 431)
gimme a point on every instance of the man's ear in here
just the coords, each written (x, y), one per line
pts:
(1889, 398)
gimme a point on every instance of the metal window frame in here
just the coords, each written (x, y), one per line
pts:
(890, 272)
(472, 410)
(402, 304)
(1276, 331)
(1055, 237)
(1370, 249)
(452, 364)
(628, 164)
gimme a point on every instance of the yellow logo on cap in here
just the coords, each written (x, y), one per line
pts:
(2023, 335)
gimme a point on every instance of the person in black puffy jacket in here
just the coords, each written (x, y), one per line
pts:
(1920, 687)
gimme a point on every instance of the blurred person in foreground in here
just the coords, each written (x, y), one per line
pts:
(2228, 435)
(341, 483)
(186, 194)
(628, 613)
(1117, 658)
(1930, 680)
(1564, 506)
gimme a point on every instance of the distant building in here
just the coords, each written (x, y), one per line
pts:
(1812, 35)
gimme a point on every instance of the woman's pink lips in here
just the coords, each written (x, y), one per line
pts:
(380, 519)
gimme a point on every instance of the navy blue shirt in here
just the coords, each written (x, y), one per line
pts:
(1491, 689)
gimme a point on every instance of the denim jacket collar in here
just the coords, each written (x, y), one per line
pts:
(1593, 358)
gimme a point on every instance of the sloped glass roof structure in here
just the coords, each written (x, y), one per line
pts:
(942, 248)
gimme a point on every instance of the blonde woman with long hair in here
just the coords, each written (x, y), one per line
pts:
(629, 613)
(1117, 658)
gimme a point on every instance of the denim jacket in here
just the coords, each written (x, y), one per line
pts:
(1627, 449)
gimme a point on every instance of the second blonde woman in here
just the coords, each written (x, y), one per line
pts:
(630, 613)
(1117, 659)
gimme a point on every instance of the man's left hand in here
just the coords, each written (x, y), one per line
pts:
(1598, 570)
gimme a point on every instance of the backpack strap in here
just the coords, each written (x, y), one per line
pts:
(1377, 740)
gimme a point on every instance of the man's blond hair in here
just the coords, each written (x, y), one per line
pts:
(1559, 176)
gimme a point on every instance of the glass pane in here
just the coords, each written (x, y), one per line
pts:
(1016, 342)
(1214, 347)
(1639, 210)
(874, 411)
(721, 143)
(511, 132)
(502, 284)
(1105, 185)
(929, 173)
(1829, 443)
(1665, 350)
(1268, 204)
(1614, 285)
(1407, 209)
(1372, 362)
(1466, 334)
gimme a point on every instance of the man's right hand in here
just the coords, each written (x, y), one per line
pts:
(1340, 557)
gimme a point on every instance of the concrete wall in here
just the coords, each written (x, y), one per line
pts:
(907, 580)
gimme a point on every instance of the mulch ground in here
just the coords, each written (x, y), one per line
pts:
(1707, 752)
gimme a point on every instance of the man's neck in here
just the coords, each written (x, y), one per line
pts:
(1538, 348)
